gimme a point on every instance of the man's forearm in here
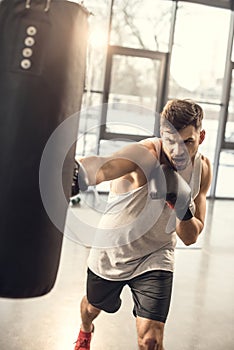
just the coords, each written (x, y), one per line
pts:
(189, 230)
(101, 169)
(93, 166)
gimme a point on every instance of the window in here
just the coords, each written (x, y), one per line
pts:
(229, 131)
(141, 24)
(132, 89)
(133, 95)
(225, 184)
(198, 63)
(199, 52)
(97, 42)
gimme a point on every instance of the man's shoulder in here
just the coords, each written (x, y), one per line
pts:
(206, 164)
(152, 143)
(206, 172)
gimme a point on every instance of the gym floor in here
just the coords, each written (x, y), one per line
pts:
(202, 310)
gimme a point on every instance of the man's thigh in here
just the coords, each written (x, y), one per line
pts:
(104, 294)
(151, 293)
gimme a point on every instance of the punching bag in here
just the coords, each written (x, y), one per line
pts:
(42, 70)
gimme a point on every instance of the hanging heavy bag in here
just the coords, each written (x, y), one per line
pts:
(42, 69)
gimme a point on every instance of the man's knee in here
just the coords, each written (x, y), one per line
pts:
(150, 336)
(147, 342)
(90, 309)
(150, 342)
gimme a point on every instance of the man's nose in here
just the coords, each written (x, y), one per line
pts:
(178, 149)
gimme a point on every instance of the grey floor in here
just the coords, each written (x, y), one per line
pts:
(202, 309)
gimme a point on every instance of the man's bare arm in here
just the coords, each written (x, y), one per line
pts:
(189, 230)
(125, 161)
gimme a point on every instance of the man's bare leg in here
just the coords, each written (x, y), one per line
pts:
(88, 314)
(150, 334)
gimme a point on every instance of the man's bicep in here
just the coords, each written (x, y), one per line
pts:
(124, 161)
(206, 176)
(115, 167)
(200, 200)
(135, 156)
(200, 203)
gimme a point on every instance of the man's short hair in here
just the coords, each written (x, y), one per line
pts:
(182, 113)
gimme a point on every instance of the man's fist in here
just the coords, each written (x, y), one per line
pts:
(178, 194)
(80, 181)
(176, 191)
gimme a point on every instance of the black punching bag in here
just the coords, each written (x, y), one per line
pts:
(42, 69)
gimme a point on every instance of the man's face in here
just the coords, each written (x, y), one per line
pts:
(181, 146)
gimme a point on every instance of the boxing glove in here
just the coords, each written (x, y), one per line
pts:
(80, 181)
(178, 195)
(165, 182)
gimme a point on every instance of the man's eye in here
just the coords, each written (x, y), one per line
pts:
(171, 142)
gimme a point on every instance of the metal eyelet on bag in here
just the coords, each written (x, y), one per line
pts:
(27, 52)
(26, 64)
(29, 41)
(31, 30)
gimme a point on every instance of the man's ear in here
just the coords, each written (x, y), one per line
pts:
(202, 136)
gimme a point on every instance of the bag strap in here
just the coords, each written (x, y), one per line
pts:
(47, 5)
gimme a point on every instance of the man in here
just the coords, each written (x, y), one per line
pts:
(158, 191)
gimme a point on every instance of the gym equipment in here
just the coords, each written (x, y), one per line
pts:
(42, 70)
(75, 200)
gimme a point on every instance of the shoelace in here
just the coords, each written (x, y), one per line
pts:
(83, 343)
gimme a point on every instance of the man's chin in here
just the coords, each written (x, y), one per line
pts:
(180, 165)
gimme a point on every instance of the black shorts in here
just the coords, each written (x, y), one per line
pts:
(151, 293)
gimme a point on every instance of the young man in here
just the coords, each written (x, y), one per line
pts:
(158, 191)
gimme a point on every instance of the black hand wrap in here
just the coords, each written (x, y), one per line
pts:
(80, 179)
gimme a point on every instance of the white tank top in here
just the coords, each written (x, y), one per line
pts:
(137, 234)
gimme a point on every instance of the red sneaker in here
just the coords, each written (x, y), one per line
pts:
(83, 340)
